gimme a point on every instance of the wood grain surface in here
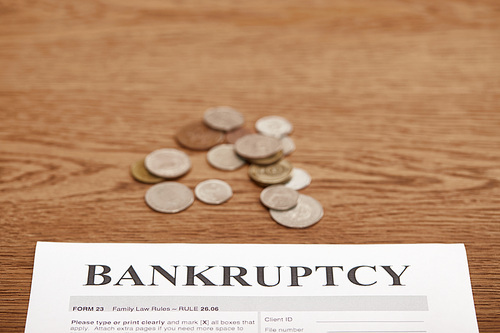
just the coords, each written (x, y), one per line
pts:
(396, 108)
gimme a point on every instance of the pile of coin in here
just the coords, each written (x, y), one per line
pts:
(231, 146)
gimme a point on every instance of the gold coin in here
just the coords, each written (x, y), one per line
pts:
(139, 172)
(268, 160)
(277, 173)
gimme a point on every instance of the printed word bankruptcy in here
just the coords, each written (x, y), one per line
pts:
(99, 275)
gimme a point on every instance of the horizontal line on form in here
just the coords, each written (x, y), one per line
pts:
(369, 321)
(377, 332)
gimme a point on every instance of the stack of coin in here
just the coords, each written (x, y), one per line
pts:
(168, 163)
(141, 174)
(277, 173)
(277, 127)
(286, 206)
(259, 149)
(306, 213)
(265, 151)
(160, 165)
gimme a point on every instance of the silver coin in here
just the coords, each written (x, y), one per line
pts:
(257, 146)
(274, 126)
(279, 197)
(167, 163)
(169, 197)
(213, 191)
(224, 157)
(307, 212)
(223, 118)
(300, 179)
(288, 145)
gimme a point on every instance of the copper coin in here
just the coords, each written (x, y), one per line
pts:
(233, 136)
(198, 136)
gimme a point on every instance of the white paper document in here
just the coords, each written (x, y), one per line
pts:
(251, 288)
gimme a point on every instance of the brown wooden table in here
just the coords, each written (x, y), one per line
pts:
(395, 106)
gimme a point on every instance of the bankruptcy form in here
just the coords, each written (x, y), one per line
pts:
(251, 288)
